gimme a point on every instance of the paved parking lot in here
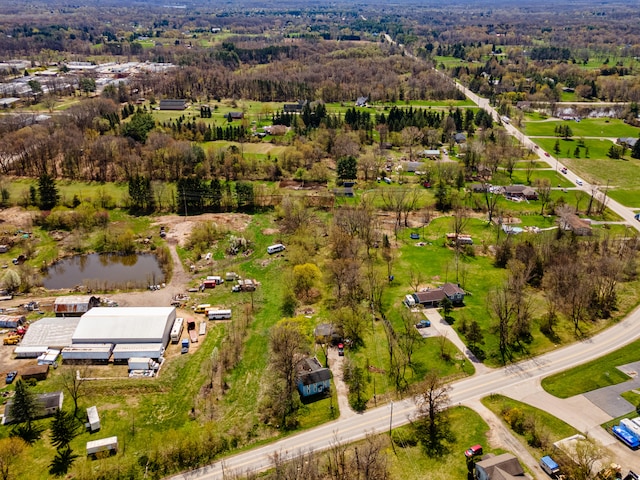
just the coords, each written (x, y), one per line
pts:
(609, 399)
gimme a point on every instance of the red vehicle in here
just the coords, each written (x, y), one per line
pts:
(340, 350)
(473, 451)
(546, 154)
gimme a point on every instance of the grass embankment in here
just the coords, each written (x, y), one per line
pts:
(598, 373)
(535, 428)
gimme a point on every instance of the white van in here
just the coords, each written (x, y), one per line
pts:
(278, 247)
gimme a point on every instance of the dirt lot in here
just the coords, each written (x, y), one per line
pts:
(178, 228)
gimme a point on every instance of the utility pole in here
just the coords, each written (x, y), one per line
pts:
(184, 196)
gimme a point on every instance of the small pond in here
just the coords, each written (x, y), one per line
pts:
(105, 270)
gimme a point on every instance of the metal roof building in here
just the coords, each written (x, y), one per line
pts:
(74, 305)
(122, 325)
(50, 332)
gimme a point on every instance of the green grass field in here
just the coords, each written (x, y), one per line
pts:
(588, 127)
(592, 375)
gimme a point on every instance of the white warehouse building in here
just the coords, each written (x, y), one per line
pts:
(125, 325)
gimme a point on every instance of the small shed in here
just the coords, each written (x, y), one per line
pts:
(74, 305)
(93, 419)
(38, 372)
(11, 321)
(313, 378)
(209, 284)
(501, 466)
(235, 116)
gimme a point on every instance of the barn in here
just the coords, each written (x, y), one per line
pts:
(74, 305)
(125, 325)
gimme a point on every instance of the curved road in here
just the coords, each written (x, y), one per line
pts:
(505, 380)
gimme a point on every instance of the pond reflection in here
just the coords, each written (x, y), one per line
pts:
(104, 270)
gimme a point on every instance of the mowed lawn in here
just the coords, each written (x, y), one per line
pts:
(588, 127)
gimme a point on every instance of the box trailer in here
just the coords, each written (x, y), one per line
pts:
(109, 444)
(97, 352)
(630, 425)
(219, 314)
(30, 352)
(125, 351)
(215, 278)
(191, 328)
(93, 419)
(549, 465)
(142, 363)
(176, 330)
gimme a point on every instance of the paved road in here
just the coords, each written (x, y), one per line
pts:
(509, 380)
(624, 212)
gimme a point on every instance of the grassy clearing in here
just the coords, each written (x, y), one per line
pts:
(592, 375)
(588, 127)
(411, 463)
(556, 428)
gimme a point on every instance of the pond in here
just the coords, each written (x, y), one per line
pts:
(106, 270)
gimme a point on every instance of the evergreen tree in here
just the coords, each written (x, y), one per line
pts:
(48, 192)
(635, 152)
(25, 408)
(64, 428)
(62, 461)
(347, 168)
(139, 126)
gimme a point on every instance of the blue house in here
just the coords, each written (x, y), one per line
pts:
(313, 378)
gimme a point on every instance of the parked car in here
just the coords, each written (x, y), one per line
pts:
(11, 376)
(564, 170)
(341, 350)
(546, 154)
(423, 324)
(473, 451)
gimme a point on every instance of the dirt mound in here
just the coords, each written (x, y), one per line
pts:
(16, 216)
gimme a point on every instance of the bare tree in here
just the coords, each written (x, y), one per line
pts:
(432, 424)
(369, 459)
(543, 186)
(410, 137)
(502, 309)
(74, 383)
(287, 343)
